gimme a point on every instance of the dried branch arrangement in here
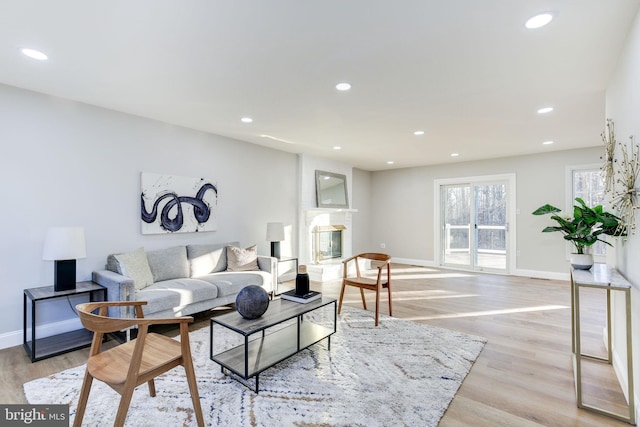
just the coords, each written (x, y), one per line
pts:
(625, 195)
(609, 140)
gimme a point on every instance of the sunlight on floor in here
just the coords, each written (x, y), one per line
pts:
(491, 312)
(413, 269)
(439, 275)
(431, 297)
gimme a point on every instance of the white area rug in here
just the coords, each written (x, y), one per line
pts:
(400, 373)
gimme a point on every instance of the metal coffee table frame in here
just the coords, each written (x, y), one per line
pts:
(255, 355)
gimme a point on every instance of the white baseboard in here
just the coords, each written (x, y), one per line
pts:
(14, 338)
(536, 274)
(410, 261)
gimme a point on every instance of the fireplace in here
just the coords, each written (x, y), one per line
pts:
(328, 242)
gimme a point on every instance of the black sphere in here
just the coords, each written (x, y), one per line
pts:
(252, 301)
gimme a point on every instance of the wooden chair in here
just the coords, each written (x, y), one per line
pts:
(133, 363)
(380, 261)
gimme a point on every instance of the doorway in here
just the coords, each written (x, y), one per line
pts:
(474, 218)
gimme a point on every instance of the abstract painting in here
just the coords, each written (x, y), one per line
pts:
(177, 204)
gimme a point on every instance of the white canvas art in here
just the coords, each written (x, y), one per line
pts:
(177, 204)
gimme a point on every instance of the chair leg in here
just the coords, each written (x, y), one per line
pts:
(152, 388)
(123, 407)
(389, 293)
(82, 401)
(377, 305)
(364, 303)
(193, 388)
(341, 296)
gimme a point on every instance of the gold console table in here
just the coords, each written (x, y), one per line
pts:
(605, 278)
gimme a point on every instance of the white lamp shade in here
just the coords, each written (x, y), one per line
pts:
(62, 243)
(275, 232)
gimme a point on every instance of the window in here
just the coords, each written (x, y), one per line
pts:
(588, 184)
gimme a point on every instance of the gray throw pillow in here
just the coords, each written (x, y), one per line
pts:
(170, 263)
(239, 259)
(205, 259)
(136, 266)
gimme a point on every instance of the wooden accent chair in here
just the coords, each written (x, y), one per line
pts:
(133, 363)
(380, 261)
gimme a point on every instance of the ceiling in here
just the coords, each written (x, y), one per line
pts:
(466, 72)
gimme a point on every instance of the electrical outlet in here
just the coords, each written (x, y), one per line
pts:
(517, 253)
(382, 246)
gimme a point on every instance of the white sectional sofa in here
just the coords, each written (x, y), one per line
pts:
(183, 280)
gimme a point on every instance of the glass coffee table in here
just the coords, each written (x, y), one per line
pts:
(282, 331)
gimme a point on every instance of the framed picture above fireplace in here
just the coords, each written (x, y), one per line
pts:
(331, 190)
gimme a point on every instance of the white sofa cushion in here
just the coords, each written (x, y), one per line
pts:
(175, 294)
(229, 283)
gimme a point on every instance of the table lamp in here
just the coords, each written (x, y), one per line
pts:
(275, 234)
(64, 245)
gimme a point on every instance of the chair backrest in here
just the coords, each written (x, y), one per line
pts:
(379, 261)
(375, 256)
(103, 324)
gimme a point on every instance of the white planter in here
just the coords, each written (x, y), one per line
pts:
(581, 261)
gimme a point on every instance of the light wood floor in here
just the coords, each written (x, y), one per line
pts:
(523, 376)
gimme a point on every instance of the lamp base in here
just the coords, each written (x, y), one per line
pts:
(64, 275)
(275, 249)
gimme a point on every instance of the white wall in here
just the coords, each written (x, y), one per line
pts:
(623, 106)
(67, 163)
(402, 206)
(362, 219)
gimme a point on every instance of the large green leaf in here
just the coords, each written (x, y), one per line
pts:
(546, 209)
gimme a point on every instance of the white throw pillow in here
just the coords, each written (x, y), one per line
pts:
(239, 259)
(136, 266)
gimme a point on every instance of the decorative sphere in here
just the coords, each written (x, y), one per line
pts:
(252, 301)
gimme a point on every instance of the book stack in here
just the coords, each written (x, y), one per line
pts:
(301, 298)
(301, 293)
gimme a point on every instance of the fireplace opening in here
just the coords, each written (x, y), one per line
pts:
(328, 242)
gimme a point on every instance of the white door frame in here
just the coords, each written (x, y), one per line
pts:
(510, 178)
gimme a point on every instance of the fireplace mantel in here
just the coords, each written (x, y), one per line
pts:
(329, 210)
(314, 219)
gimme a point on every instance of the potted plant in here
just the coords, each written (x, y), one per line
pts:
(586, 227)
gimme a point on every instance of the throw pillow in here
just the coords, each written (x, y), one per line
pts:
(169, 263)
(136, 266)
(205, 259)
(239, 259)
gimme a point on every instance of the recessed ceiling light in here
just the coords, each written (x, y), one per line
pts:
(390, 162)
(246, 120)
(343, 86)
(539, 21)
(418, 132)
(337, 148)
(455, 154)
(545, 110)
(547, 143)
(35, 54)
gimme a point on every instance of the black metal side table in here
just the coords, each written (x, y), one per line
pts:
(42, 348)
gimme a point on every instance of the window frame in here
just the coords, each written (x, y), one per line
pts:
(570, 197)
